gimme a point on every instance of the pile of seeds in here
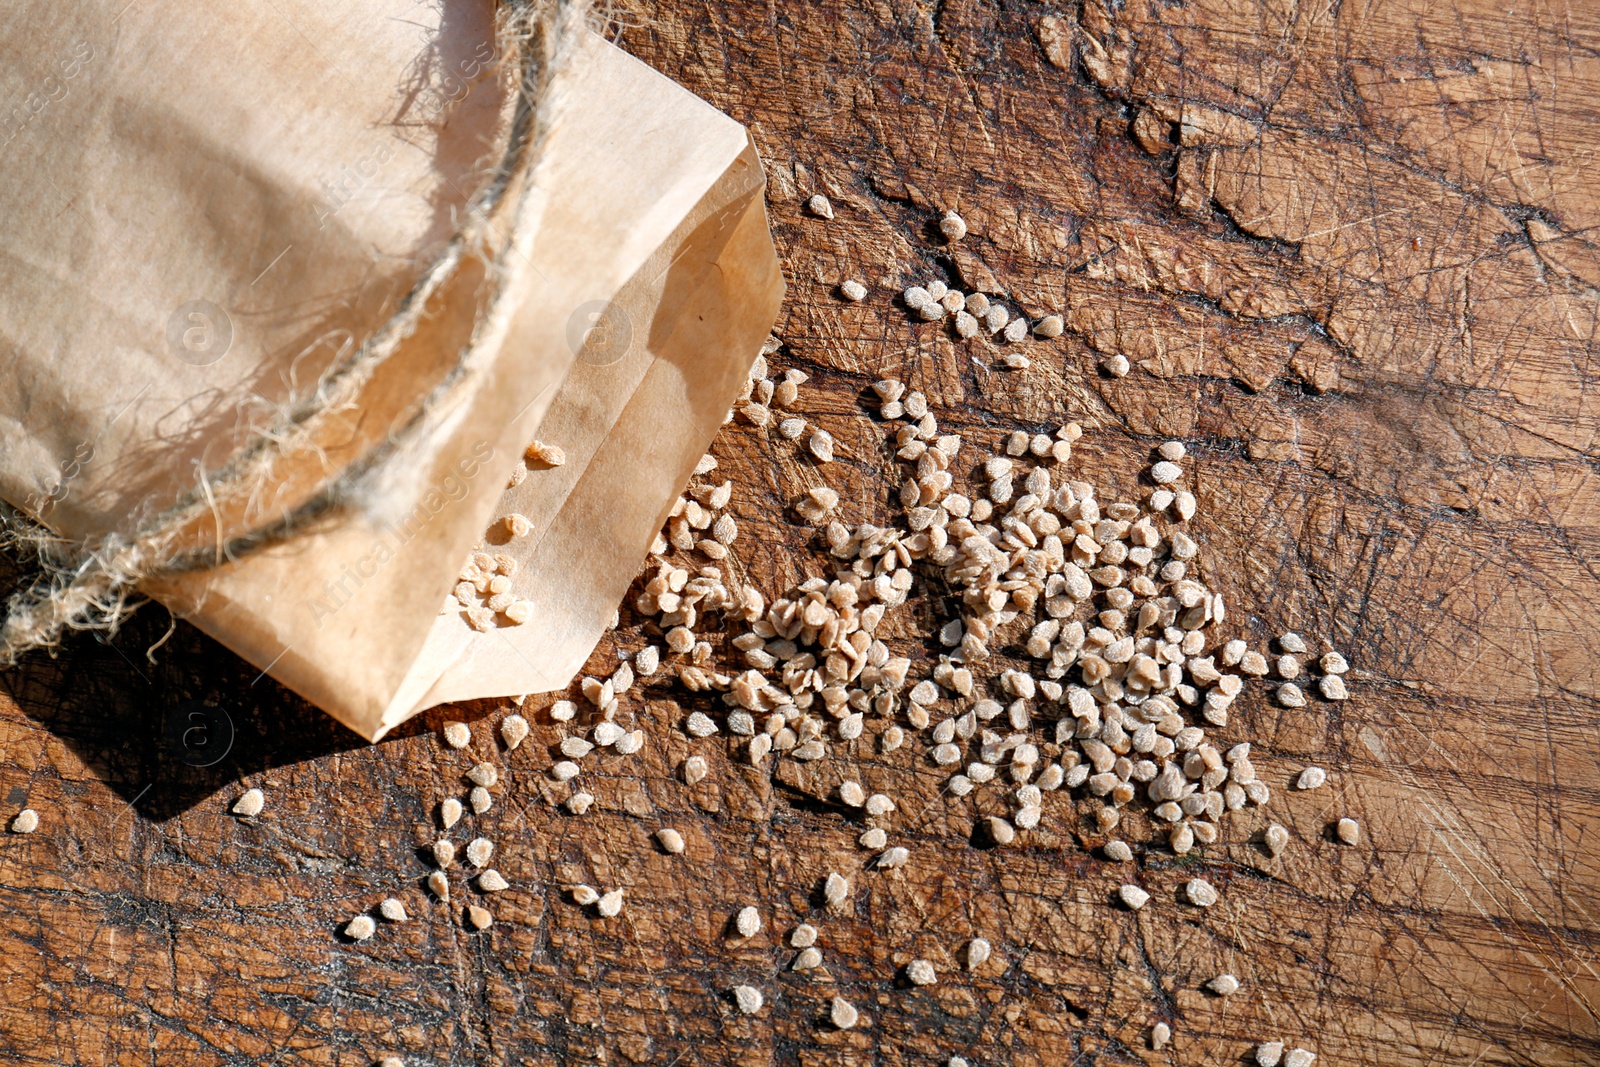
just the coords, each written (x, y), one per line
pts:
(1105, 599)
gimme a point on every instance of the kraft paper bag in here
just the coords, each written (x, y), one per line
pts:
(210, 208)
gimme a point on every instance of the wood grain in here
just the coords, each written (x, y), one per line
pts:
(1349, 249)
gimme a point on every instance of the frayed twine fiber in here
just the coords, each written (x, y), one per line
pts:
(92, 584)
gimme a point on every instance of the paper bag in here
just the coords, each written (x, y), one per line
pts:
(211, 207)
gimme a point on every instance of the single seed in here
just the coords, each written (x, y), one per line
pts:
(492, 881)
(1269, 1054)
(1117, 366)
(1118, 851)
(670, 840)
(1333, 663)
(1292, 642)
(483, 774)
(480, 851)
(894, 857)
(393, 910)
(457, 734)
(853, 290)
(748, 998)
(517, 525)
(361, 927)
(821, 445)
(1332, 686)
(879, 804)
(1311, 778)
(563, 710)
(609, 906)
(391, 1061)
(1223, 985)
(449, 812)
(1349, 831)
(1134, 897)
(27, 820)
(1200, 892)
(836, 889)
(480, 799)
(440, 885)
(579, 803)
(444, 853)
(1276, 838)
(808, 959)
(583, 895)
(1290, 695)
(249, 804)
(480, 918)
(546, 455)
(513, 731)
(1298, 1057)
(1000, 831)
(747, 922)
(1160, 1034)
(1049, 326)
(953, 226)
(565, 771)
(1165, 473)
(820, 206)
(575, 747)
(694, 770)
(921, 972)
(843, 1014)
(874, 838)
(1172, 450)
(978, 952)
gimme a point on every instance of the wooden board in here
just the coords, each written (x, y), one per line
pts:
(1349, 250)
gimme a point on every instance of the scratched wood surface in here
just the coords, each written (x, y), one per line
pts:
(1348, 248)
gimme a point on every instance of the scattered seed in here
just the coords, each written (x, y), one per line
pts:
(748, 998)
(513, 731)
(1223, 985)
(480, 851)
(393, 910)
(1134, 897)
(853, 290)
(361, 927)
(894, 857)
(747, 922)
(1172, 450)
(247, 805)
(1349, 831)
(843, 1014)
(609, 905)
(821, 445)
(1311, 778)
(391, 1061)
(694, 770)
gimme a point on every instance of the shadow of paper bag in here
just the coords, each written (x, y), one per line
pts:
(200, 238)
